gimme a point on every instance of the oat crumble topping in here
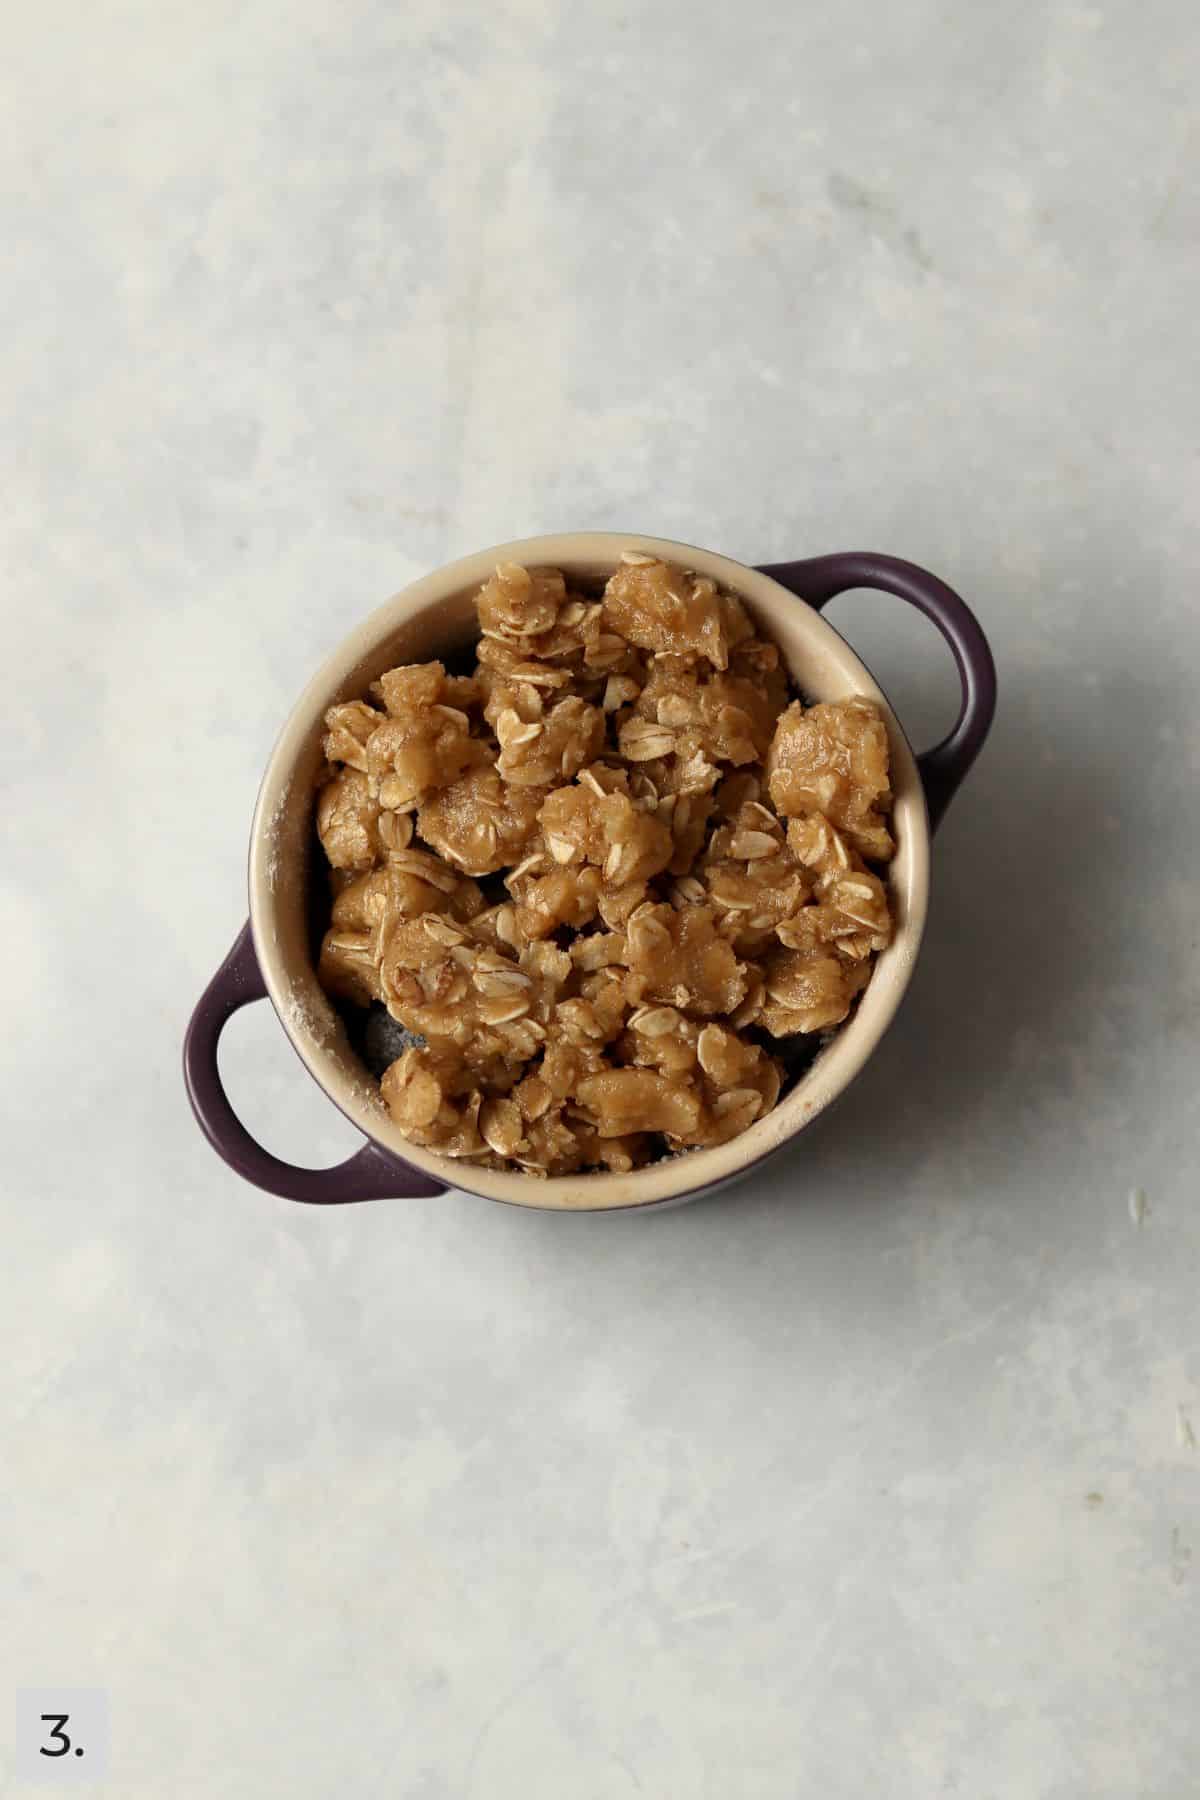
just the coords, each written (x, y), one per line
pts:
(601, 876)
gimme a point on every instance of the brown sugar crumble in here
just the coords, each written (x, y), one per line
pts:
(676, 859)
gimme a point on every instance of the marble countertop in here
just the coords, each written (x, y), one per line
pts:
(877, 1475)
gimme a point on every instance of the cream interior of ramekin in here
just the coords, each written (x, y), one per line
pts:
(435, 617)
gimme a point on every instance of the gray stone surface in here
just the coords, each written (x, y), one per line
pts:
(877, 1475)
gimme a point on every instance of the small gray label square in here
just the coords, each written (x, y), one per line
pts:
(62, 1735)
